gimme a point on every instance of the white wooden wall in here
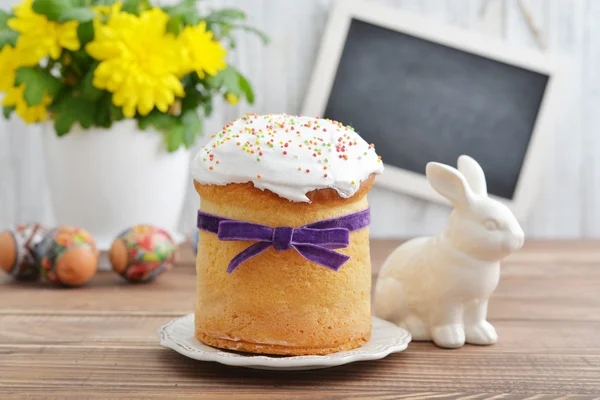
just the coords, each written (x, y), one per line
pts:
(569, 206)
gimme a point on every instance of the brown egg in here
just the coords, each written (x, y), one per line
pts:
(8, 251)
(118, 256)
(68, 256)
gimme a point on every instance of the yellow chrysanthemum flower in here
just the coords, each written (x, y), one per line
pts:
(201, 53)
(14, 98)
(40, 37)
(9, 62)
(138, 61)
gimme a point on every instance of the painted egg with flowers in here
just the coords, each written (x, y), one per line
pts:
(142, 252)
(17, 251)
(68, 256)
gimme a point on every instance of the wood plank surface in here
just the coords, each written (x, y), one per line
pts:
(417, 370)
(100, 341)
(32, 331)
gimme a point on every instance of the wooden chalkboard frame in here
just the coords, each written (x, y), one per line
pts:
(407, 181)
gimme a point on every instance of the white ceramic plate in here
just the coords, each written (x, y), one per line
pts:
(386, 338)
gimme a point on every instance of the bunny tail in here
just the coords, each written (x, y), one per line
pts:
(389, 303)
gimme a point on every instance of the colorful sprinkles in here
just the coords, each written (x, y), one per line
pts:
(316, 146)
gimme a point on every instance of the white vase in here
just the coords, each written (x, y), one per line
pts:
(107, 180)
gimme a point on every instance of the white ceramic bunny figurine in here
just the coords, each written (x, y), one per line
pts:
(438, 287)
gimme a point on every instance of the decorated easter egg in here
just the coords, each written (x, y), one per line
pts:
(18, 251)
(142, 252)
(68, 256)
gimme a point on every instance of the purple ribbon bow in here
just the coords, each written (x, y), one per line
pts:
(314, 241)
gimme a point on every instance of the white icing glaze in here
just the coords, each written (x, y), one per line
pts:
(287, 155)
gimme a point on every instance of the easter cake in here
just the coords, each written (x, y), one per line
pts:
(283, 263)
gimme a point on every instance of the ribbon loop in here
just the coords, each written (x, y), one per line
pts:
(314, 241)
(237, 230)
(334, 238)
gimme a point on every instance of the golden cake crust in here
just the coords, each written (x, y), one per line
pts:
(278, 350)
(236, 192)
(279, 302)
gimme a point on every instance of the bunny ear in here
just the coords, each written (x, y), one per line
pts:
(473, 173)
(450, 183)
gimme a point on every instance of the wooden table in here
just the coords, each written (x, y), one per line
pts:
(100, 341)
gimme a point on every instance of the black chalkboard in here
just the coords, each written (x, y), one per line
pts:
(421, 101)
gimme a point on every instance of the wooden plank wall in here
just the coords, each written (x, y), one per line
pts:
(280, 72)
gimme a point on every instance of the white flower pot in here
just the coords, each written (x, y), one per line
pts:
(106, 180)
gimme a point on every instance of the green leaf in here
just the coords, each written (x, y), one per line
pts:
(189, 138)
(193, 127)
(231, 81)
(87, 89)
(33, 94)
(103, 111)
(6, 111)
(175, 137)
(74, 110)
(85, 112)
(226, 14)
(189, 80)
(174, 25)
(213, 82)
(8, 37)
(85, 32)
(79, 64)
(4, 17)
(63, 119)
(63, 124)
(143, 123)
(191, 18)
(193, 98)
(37, 81)
(185, 7)
(53, 9)
(98, 2)
(136, 6)
(227, 78)
(186, 10)
(246, 88)
(158, 120)
(80, 14)
(263, 36)
(225, 30)
(63, 93)
(116, 113)
(83, 59)
(208, 107)
(130, 6)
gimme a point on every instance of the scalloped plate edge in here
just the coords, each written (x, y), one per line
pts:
(396, 343)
